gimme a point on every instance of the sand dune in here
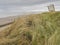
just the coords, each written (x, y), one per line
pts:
(5, 21)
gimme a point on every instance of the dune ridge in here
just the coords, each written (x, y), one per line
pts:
(34, 29)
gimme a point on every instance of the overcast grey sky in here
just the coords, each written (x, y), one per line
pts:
(16, 7)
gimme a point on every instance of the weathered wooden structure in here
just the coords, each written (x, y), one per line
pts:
(51, 8)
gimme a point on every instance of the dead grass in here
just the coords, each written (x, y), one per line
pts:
(39, 29)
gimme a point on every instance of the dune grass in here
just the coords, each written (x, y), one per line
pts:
(35, 29)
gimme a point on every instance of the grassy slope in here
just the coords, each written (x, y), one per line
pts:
(37, 29)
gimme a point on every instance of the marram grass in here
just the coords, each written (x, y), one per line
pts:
(35, 29)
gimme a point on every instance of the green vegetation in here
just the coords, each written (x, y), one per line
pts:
(35, 29)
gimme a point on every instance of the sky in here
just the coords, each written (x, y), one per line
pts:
(19, 7)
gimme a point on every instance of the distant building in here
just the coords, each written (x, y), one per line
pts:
(51, 8)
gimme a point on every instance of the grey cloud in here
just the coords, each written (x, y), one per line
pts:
(12, 10)
(24, 2)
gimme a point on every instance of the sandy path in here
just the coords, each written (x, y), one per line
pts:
(2, 28)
